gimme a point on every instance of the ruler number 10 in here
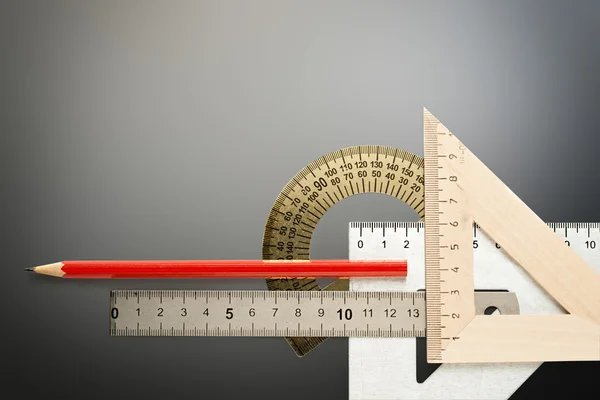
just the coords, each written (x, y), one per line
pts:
(347, 314)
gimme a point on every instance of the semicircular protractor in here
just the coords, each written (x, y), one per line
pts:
(319, 186)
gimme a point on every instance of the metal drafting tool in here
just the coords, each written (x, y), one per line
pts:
(460, 191)
(398, 369)
(320, 185)
(263, 313)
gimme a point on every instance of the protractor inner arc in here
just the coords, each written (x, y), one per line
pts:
(319, 186)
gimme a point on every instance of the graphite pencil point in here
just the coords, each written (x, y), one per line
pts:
(29, 269)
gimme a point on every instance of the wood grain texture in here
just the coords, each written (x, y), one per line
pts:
(557, 268)
(526, 338)
(554, 265)
(448, 234)
(385, 368)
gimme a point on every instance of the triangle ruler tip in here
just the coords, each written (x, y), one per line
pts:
(428, 115)
(460, 190)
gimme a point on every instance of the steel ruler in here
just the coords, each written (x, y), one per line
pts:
(386, 238)
(397, 369)
(318, 186)
(320, 313)
(266, 313)
(261, 313)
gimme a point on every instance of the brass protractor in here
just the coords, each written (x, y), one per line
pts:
(319, 186)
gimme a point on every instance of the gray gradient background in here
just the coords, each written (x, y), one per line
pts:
(157, 130)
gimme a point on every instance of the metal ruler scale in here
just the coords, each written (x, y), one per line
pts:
(372, 313)
(320, 185)
(266, 313)
(386, 368)
(259, 313)
(385, 238)
(493, 268)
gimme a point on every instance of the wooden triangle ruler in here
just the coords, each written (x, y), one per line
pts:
(461, 190)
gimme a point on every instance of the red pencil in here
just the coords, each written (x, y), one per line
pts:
(225, 269)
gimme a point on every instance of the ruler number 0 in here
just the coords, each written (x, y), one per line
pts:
(360, 244)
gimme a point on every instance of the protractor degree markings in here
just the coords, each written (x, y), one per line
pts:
(323, 183)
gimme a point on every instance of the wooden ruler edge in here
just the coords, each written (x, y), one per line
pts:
(574, 337)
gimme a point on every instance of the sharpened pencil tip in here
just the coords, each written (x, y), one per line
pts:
(29, 269)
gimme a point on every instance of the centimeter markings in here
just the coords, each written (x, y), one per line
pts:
(266, 313)
(405, 240)
(323, 183)
(582, 235)
(310, 313)
(432, 240)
